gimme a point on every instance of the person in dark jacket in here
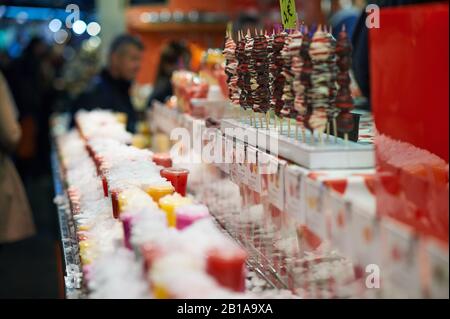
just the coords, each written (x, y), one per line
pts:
(174, 56)
(110, 90)
(360, 44)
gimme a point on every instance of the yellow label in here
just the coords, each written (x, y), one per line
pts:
(288, 14)
(229, 27)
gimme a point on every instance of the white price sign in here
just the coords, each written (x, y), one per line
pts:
(402, 260)
(294, 191)
(241, 164)
(253, 175)
(315, 215)
(340, 217)
(276, 184)
(438, 270)
(366, 243)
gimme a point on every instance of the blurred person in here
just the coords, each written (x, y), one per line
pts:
(16, 222)
(247, 21)
(174, 56)
(5, 61)
(344, 13)
(360, 43)
(312, 12)
(111, 88)
(28, 88)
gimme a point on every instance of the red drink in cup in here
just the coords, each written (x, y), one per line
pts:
(162, 159)
(177, 177)
(228, 267)
(115, 203)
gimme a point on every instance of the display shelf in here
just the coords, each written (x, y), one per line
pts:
(309, 151)
(313, 152)
(72, 264)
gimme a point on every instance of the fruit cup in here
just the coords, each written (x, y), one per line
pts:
(170, 203)
(228, 267)
(159, 191)
(178, 178)
(162, 159)
(187, 215)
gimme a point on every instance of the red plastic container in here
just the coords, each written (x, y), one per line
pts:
(162, 159)
(178, 177)
(228, 268)
(115, 203)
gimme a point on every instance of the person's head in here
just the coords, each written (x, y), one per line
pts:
(175, 54)
(247, 21)
(36, 48)
(125, 56)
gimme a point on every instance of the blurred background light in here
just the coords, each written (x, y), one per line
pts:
(55, 25)
(93, 29)
(61, 36)
(22, 17)
(79, 27)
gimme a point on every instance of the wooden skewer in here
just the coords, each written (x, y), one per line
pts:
(346, 138)
(260, 120)
(335, 132)
(275, 121)
(312, 138)
(281, 125)
(289, 127)
(268, 120)
(296, 131)
(328, 131)
(320, 137)
(304, 135)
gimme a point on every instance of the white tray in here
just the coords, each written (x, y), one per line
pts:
(332, 154)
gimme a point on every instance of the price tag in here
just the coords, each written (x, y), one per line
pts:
(438, 268)
(276, 184)
(315, 216)
(288, 14)
(228, 155)
(264, 161)
(241, 163)
(233, 166)
(340, 217)
(402, 269)
(366, 243)
(253, 176)
(294, 192)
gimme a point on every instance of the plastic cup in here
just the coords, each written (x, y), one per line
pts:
(158, 192)
(187, 215)
(178, 177)
(162, 159)
(170, 203)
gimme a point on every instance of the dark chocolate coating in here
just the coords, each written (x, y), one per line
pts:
(345, 122)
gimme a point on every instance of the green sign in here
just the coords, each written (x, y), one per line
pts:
(288, 14)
